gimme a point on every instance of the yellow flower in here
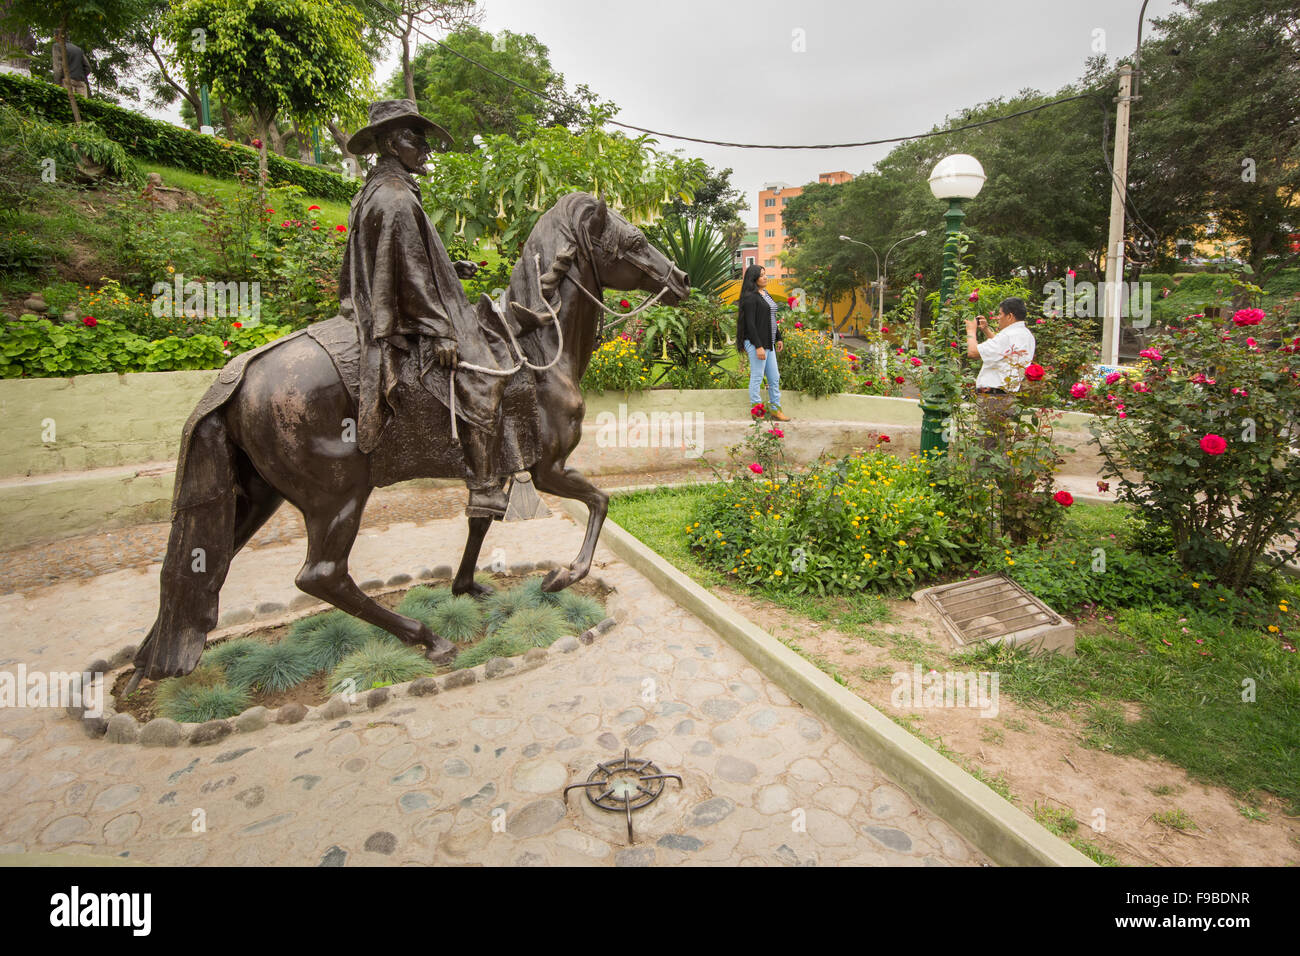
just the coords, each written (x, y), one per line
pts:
(1272, 628)
(1283, 608)
(777, 572)
(1196, 584)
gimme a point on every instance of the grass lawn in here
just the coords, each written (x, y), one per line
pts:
(1219, 699)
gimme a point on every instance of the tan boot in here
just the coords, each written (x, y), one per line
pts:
(777, 414)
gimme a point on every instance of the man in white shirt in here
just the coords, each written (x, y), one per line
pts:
(1004, 356)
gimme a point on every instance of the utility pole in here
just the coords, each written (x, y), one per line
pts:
(1114, 297)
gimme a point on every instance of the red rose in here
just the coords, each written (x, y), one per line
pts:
(257, 144)
(1103, 486)
(884, 330)
(756, 468)
(482, 262)
(798, 325)
(340, 228)
(316, 227)
(285, 224)
(917, 276)
(790, 300)
(1249, 317)
(975, 296)
(776, 433)
(623, 303)
(1064, 498)
(899, 379)
(1034, 372)
(914, 360)
(236, 325)
(90, 321)
(1214, 444)
(310, 208)
(880, 438)
(758, 411)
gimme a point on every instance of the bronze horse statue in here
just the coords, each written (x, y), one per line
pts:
(269, 431)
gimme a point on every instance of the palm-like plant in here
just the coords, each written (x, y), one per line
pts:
(698, 249)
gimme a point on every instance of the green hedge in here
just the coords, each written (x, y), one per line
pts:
(165, 143)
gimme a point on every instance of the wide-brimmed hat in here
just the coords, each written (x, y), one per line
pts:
(392, 114)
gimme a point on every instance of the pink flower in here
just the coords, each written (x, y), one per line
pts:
(915, 361)
(974, 296)
(790, 300)
(1038, 321)
(1112, 378)
(798, 325)
(1063, 498)
(1251, 343)
(776, 433)
(1152, 354)
(1248, 317)
(1123, 414)
(285, 224)
(1103, 486)
(1070, 273)
(756, 468)
(1213, 444)
(1078, 389)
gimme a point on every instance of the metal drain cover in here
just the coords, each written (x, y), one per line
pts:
(996, 608)
(624, 785)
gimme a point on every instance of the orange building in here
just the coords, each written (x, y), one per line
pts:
(772, 200)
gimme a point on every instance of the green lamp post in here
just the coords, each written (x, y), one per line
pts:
(955, 178)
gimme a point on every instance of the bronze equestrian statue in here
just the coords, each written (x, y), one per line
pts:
(408, 381)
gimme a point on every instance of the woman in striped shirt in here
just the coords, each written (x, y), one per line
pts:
(758, 336)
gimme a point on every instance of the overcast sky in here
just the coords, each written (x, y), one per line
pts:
(871, 69)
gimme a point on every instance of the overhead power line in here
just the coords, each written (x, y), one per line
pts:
(715, 142)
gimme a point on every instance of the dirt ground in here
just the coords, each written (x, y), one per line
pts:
(1041, 755)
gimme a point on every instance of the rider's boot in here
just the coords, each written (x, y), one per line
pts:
(487, 496)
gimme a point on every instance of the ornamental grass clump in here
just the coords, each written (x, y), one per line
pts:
(535, 627)
(378, 664)
(225, 654)
(328, 638)
(494, 645)
(199, 696)
(421, 600)
(1203, 442)
(501, 605)
(579, 610)
(272, 667)
(458, 619)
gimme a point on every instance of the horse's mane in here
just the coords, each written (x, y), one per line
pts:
(552, 246)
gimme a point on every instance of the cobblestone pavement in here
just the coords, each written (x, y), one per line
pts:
(471, 775)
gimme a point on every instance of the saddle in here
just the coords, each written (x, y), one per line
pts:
(416, 441)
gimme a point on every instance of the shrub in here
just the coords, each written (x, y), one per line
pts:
(1202, 442)
(458, 619)
(580, 611)
(868, 520)
(811, 363)
(272, 667)
(378, 663)
(35, 140)
(173, 145)
(535, 627)
(328, 638)
(616, 366)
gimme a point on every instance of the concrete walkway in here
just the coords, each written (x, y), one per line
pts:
(472, 775)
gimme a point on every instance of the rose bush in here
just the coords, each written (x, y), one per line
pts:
(1207, 446)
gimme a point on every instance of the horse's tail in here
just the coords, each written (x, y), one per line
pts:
(199, 551)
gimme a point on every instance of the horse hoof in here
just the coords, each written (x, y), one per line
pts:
(558, 580)
(475, 589)
(443, 651)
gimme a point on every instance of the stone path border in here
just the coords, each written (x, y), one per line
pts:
(123, 728)
(1007, 835)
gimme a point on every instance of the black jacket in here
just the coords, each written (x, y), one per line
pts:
(754, 322)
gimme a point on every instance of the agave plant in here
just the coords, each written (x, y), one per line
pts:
(698, 249)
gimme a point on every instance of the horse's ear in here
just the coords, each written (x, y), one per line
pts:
(599, 217)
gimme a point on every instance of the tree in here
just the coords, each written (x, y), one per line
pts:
(498, 192)
(469, 101)
(297, 57)
(405, 17)
(717, 202)
(95, 23)
(1215, 142)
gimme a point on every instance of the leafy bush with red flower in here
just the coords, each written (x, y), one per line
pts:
(1206, 448)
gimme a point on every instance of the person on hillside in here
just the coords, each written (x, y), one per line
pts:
(759, 337)
(78, 64)
(1004, 356)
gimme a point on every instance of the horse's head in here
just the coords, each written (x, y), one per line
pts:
(624, 258)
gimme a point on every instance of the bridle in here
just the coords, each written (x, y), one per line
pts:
(618, 250)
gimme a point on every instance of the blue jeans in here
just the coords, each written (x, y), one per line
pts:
(757, 369)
